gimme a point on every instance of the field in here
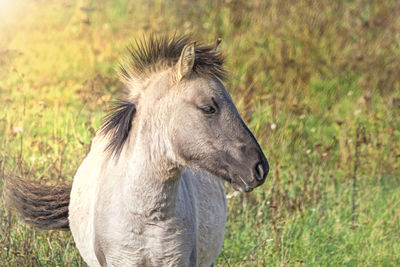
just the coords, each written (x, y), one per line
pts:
(318, 83)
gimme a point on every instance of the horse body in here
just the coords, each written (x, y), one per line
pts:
(151, 190)
(138, 221)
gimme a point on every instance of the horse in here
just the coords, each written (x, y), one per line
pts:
(151, 190)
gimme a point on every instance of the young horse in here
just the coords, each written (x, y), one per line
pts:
(151, 192)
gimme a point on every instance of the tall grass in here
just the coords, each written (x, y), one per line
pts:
(318, 82)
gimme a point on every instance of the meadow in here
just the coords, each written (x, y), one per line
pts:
(318, 83)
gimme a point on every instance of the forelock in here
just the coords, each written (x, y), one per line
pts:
(149, 55)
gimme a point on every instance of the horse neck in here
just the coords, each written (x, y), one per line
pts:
(150, 180)
(150, 183)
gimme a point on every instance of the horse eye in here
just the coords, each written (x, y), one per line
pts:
(208, 109)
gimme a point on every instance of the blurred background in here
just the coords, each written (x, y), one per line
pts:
(318, 82)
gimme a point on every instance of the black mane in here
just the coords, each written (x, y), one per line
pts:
(155, 51)
(117, 125)
(143, 60)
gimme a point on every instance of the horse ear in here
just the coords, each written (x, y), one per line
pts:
(184, 67)
(215, 46)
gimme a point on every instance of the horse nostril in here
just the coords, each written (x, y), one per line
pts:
(259, 171)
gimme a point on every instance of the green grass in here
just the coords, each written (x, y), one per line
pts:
(318, 83)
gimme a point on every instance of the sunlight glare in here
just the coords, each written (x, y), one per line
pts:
(7, 8)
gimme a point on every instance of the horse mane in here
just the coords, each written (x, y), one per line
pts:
(117, 125)
(153, 52)
(148, 56)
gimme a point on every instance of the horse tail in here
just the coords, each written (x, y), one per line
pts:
(43, 206)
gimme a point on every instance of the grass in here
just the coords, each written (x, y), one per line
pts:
(318, 82)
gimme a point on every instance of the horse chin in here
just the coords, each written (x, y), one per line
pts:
(236, 183)
(241, 187)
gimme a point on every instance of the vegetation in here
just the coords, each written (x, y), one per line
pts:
(318, 82)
